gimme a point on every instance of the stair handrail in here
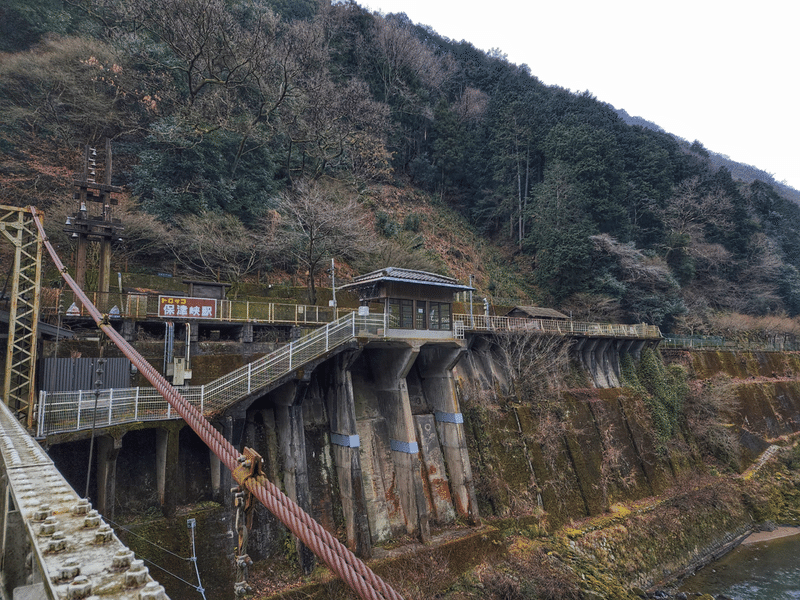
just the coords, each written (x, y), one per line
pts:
(121, 405)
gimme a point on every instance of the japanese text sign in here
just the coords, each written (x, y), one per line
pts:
(179, 307)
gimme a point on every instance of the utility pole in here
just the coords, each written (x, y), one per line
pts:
(86, 227)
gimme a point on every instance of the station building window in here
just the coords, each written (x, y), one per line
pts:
(401, 313)
(421, 315)
(439, 313)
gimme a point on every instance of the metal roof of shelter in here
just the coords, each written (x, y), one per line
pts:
(411, 276)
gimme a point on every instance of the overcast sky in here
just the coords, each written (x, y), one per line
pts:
(721, 72)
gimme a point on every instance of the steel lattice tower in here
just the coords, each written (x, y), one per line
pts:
(19, 228)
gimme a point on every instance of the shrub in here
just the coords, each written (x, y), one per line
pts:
(385, 224)
(412, 222)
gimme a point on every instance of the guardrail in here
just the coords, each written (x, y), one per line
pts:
(693, 341)
(578, 328)
(60, 412)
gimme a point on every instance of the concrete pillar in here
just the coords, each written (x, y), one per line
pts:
(436, 370)
(345, 445)
(232, 430)
(292, 448)
(602, 367)
(167, 445)
(216, 476)
(129, 330)
(246, 335)
(107, 452)
(614, 354)
(636, 349)
(587, 357)
(390, 367)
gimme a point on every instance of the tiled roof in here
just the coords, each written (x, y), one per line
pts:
(405, 276)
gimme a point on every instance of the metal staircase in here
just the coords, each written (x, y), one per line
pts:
(59, 412)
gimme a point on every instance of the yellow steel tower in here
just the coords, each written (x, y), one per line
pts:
(23, 310)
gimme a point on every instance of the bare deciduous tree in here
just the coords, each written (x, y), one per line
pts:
(215, 245)
(316, 226)
(637, 267)
(690, 210)
(403, 54)
(536, 362)
(708, 411)
(143, 235)
(332, 123)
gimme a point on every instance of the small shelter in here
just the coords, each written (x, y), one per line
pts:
(411, 299)
(536, 312)
(207, 289)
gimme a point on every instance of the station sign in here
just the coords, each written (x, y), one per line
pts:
(181, 307)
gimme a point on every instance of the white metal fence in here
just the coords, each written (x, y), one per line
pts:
(70, 411)
(143, 306)
(617, 330)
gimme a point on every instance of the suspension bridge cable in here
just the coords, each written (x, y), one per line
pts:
(340, 560)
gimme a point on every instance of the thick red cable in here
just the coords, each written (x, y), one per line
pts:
(338, 558)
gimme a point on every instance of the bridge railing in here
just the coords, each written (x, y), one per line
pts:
(561, 327)
(70, 411)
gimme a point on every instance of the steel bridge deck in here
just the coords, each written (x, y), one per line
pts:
(65, 547)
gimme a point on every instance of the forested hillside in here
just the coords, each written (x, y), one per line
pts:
(277, 126)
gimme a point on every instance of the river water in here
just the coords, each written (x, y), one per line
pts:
(765, 570)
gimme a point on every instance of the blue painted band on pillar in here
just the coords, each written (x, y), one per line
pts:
(348, 441)
(407, 447)
(444, 417)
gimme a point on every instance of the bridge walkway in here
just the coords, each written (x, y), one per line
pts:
(61, 412)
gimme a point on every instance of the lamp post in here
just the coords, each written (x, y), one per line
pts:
(333, 287)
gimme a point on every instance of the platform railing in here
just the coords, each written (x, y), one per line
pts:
(555, 326)
(145, 306)
(60, 412)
